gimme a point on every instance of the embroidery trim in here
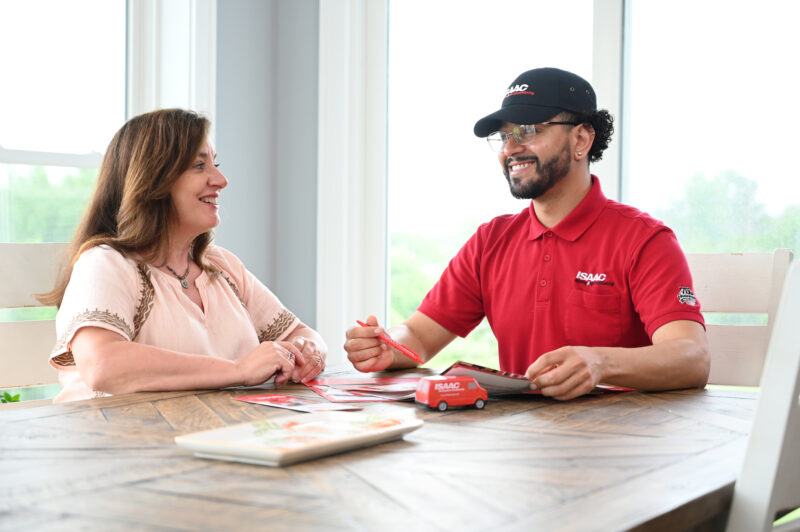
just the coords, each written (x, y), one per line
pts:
(103, 316)
(145, 299)
(277, 327)
(233, 287)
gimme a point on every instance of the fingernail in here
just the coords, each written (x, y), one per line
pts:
(534, 387)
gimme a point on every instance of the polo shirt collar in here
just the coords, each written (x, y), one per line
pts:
(577, 221)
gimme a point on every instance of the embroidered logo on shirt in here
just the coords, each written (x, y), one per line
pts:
(592, 278)
(686, 296)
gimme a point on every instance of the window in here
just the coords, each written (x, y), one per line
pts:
(712, 123)
(449, 63)
(62, 98)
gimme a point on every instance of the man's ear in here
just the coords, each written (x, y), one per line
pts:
(584, 138)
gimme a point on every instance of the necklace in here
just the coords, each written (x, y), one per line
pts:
(181, 278)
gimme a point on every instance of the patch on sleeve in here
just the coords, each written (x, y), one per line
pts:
(686, 296)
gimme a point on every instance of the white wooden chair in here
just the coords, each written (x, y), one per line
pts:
(27, 269)
(769, 484)
(738, 283)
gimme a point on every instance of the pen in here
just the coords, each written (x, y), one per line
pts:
(407, 351)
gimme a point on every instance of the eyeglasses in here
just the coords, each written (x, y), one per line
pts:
(524, 135)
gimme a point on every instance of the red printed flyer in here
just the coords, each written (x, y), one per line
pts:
(294, 403)
(360, 390)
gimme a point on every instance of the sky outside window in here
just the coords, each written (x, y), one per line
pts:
(63, 67)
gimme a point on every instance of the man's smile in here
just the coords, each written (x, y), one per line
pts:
(515, 167)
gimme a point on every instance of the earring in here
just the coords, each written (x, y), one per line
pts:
(580, 153)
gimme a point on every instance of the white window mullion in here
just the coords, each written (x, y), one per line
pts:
(171, 55)
(41, 158)
(351, 215)
(607, 80)
(142, 78)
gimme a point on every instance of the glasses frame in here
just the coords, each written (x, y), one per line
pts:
(517, 133)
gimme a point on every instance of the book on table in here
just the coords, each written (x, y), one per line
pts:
(494, 381)
(497, 382)
(285, 440)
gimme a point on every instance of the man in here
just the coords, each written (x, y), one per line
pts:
(578, 289)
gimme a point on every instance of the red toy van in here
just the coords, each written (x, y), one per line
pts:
(443, 392)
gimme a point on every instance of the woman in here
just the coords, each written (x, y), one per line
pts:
(147, 303)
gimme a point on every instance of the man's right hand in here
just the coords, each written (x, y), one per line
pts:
(365, 350)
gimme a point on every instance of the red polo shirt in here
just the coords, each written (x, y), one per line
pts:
(607, 275)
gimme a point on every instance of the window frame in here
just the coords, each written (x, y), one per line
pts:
(352, 249)
(170, 61)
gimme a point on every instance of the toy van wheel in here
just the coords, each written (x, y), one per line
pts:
(441, 407)
(480, 403)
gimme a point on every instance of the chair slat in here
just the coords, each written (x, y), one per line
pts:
(747, 278)
(25, 351)
(734, 361)
(736, 283)
(28, 269)
(770, 475)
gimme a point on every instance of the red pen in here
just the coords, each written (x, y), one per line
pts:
(407, 351)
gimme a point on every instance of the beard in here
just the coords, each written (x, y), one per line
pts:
(549, 173)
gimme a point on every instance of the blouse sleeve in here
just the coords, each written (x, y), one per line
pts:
(271, 319)
(103, 291)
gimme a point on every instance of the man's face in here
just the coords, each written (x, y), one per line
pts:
(533, 169)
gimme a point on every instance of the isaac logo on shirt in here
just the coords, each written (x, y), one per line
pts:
(592, 278)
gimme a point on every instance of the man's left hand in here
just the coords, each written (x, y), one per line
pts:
(566, 373)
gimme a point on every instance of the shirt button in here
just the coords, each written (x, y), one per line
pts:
(549, 233)
(547, 258)
(543, 283)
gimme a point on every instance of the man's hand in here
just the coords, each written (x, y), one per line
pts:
(365, 350)
(567, 372)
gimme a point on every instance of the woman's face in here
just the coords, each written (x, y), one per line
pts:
(195, 195)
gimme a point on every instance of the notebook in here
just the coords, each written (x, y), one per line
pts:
(289, 439)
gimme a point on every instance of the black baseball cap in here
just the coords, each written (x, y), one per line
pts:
(537, 95)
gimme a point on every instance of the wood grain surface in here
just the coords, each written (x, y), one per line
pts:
(616, 461)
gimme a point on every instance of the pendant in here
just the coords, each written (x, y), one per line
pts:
(185, 284)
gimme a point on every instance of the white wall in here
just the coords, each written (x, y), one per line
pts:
(266, 115)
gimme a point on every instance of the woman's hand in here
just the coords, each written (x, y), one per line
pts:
(268, 359)
(311, 361)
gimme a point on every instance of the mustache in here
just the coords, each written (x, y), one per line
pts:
(513, 160)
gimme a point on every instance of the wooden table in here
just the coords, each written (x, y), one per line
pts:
(658, 461)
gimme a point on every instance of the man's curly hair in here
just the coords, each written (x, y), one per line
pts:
(603, 124)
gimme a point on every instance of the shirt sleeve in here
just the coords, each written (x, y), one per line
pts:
(456, 301)
(271, 319)
(661, 283)
(103, 291)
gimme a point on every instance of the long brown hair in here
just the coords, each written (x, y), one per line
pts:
(131, 209)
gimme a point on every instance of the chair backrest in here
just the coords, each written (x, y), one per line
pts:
(738, 283)
(769, 484)
(27, 269)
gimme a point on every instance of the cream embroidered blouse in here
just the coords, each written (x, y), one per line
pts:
(146, 305)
